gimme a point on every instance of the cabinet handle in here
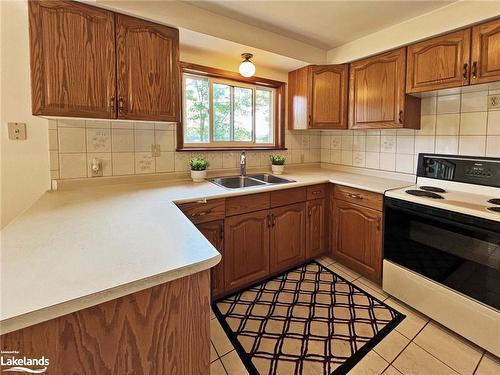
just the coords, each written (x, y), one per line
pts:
(202, 213)
(203, 201)
(355, 196)
(273, 219)
(222, 231)
(378, 223)
(309, 213)
(474, 70)
(121, 105)
(465, 74)
(400, 117)
(309, 120)
(269, 221)
(112, 103)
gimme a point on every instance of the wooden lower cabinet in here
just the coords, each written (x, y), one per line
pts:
(287, 247)
(246, 248)
(160, 330)
(316, 239)
(357, 238)
(214, 232)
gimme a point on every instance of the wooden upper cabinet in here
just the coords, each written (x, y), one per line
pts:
(485, 55)
(72, 59)
(288, 229)
(147, 69)
(329, 97)
(439, 63)
(317, 97)
(377, 96)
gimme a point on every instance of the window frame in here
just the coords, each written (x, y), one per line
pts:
(234, 79)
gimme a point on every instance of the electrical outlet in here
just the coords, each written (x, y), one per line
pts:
(96, 168)
(493, 101)
(17, 130)
(155, 150)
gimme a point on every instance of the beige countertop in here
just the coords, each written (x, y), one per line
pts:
(78, 248)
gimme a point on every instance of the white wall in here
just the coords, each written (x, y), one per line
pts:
(24, 164)
(442, 20)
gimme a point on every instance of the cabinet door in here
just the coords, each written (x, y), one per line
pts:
(298, 99)
(316, 228)
(147, 69)
(214, 232)
(287, 236)
(438, 63)
(329, 96)
(377, 91)
(246, 245)
(357, 238)
(72, 59)
(486, 52)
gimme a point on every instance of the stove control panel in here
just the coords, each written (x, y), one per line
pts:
(478, 170)
(467, 169)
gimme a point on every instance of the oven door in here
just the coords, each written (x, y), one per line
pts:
(456, 250)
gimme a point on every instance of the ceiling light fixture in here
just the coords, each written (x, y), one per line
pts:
(247, 68)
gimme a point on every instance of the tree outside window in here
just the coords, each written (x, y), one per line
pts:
(221, 112)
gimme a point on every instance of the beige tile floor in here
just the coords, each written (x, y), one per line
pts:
(418, 346)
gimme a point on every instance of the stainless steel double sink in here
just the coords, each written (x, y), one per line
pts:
(239, 182)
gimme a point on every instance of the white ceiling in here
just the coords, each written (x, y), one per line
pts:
(323, 24)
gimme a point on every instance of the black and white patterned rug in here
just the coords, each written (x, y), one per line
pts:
(305, 321)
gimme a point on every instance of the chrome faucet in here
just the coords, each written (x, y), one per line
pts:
(243, 164)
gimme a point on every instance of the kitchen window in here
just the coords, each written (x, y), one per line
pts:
(220, 112)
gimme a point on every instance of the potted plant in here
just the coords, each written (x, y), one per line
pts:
(198, 166)
(277, 163)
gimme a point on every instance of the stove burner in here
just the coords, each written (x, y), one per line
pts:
(423, 193)
(495, 201)
(494, 209)
(434, 189)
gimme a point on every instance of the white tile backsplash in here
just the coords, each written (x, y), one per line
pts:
(473, 123)
(71, 139)
(447, 124)
(448, 104)
(472, 145)
(73, 165)
(451, 123)
(123, 163)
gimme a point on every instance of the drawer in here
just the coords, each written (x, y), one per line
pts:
(247, 203)
(288, 196)
(316, 191)
(204, 211)
(358, 196)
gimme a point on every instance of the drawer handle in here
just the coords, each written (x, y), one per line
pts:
(204, 200)
(316, 192)
(203, 213)
(354, 196)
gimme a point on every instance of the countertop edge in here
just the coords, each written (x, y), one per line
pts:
(80, 303)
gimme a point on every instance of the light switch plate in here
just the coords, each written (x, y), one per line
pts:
(493, 101)
(17, 130)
